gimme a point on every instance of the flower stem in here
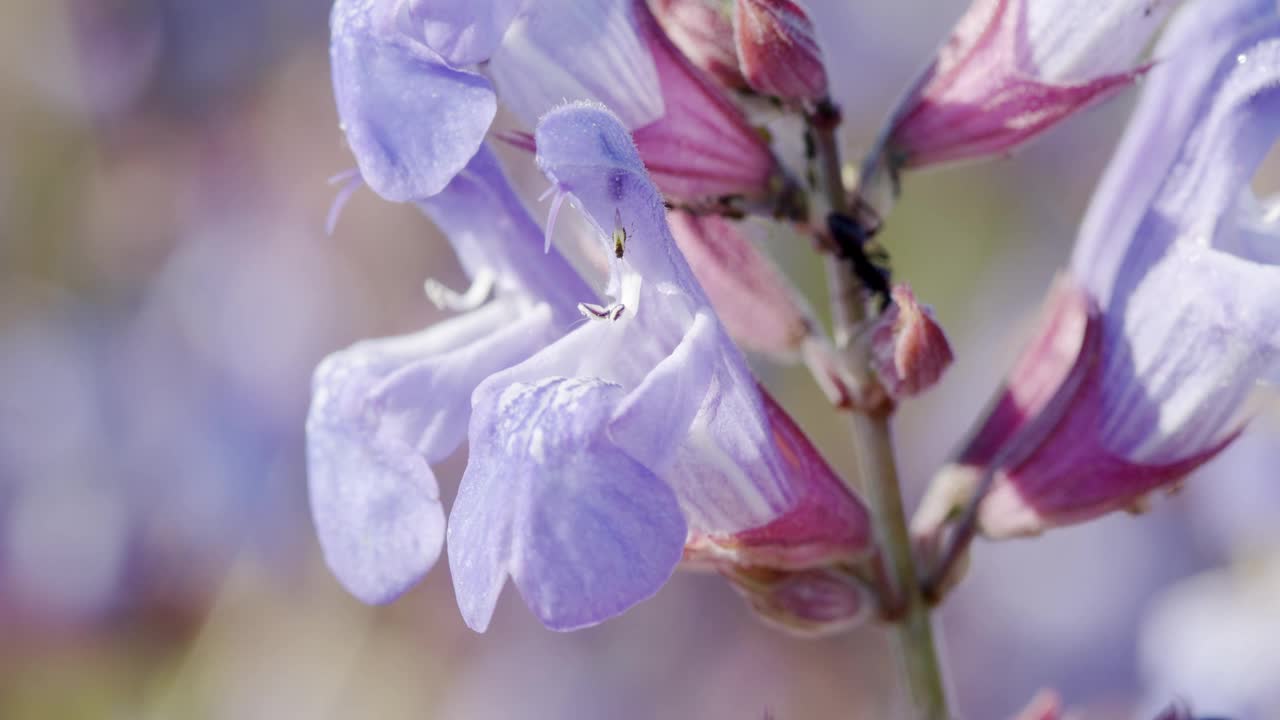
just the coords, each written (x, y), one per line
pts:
(873, 450)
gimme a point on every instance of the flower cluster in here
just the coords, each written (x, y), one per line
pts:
(616, 435)
(611, 438)
(1154, 338)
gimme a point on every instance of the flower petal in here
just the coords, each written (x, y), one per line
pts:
(428, 401)
(577, 50)
(1192, 324)
(465, 32)
(411, 121)
(583, 529)
(490, 229)
(1172, 102)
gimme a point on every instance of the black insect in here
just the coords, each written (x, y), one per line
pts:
(854, 243)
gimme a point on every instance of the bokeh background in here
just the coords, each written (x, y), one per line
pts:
(166, 287)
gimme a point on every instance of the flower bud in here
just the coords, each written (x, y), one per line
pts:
(809, 603)
(909, 351)
(702, 147)
(703, 30)
(1014, 68)
(778, 51)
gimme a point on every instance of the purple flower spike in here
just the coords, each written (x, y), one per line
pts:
(1169, 316)
(649, 394)
(412, 121)
(383, 409)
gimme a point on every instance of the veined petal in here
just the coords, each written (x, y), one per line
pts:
(583, 529)
(577, 50)
(1192, 324)
(381, 411)
(411, 121)
(827, 524)
(465, 32)
(490, 229)
(376, 507)
(1174, 100)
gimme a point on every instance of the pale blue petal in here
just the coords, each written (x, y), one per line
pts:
(655, 417)
(1192, 321)
(464, 32)
(1201, 330)
(577, 50)
(374, 500)
(381, 411)
(490, 229)
(428, 401)
(1172, 102)
(583, 529)
(411, 121)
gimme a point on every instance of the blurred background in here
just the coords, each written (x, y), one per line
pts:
(167, 286)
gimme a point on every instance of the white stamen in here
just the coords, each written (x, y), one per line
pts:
(446, 298)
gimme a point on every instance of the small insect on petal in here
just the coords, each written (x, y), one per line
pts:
(619, 236)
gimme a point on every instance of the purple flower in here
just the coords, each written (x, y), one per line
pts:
(594, 460)
(382, 410)
(415, 108)
(1170, 313)
(1014, 68)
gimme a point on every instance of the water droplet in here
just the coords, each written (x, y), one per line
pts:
(1242, 59)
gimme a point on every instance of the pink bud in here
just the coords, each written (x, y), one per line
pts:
(778, 51)
(753, 299)
(703, 30)
(1010, 71)
(909, 351)
(702, 146)
(827, 525)
(810, 603)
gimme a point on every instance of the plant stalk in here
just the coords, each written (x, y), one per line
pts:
(873, 449)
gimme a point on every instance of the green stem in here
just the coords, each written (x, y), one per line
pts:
(873, 450)
(913, 630)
